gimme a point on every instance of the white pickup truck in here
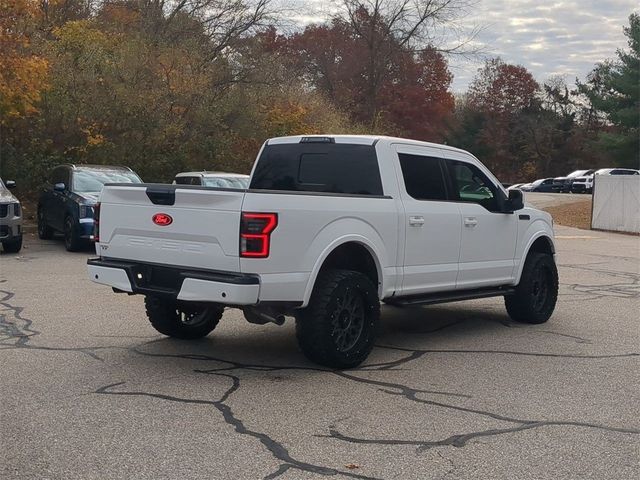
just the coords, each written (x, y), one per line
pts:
(329, 227)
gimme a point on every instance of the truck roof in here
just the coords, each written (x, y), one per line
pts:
(359, 139)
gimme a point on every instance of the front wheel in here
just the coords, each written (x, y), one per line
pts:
(72, 241)
(45, 232)
(13, 246)
(535, 297)
(184, 320)
(339, 326)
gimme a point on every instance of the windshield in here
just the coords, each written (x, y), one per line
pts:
(92, 181)
(226, 182)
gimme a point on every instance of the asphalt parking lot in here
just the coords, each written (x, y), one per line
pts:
(89, 390)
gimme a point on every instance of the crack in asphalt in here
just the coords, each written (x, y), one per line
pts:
(278, 450)
(461, 440)
(630, 289)
(18, 334)
(10, 330)
(514, 352)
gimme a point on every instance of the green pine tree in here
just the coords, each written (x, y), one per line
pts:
(613, 88)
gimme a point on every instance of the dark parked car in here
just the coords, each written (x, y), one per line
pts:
(67, 201)
(563, 184)
(541, 185)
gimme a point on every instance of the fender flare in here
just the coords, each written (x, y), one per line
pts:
(527, 249)
(352, 238)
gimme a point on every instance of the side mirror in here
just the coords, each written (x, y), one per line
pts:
(59, 187)
(10, 184)
(515, 201)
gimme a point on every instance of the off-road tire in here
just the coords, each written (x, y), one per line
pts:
(12, 246)
(72, 242)
(168, 316)
(333, 333)
(45, 232)
(535, 297)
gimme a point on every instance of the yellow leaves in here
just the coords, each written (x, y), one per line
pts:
(23, 75)
(94, 137)
(287, 118)
(78, 35)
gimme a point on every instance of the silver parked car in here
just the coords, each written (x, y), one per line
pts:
(10, 218)
(213, 179)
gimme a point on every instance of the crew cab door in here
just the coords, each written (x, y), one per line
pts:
(58, 200)
(489, 236)
(432, 224)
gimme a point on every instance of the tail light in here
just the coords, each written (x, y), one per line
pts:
(255, 233)
(96, 222)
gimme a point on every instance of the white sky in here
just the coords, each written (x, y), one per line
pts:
(565, 38)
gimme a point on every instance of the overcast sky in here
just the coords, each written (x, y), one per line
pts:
(565, 38)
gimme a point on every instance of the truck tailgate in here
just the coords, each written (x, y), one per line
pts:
(201, 230)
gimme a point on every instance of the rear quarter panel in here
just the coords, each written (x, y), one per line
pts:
(309, 228)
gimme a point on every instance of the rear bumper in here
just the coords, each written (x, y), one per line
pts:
(579, 188)
(175, 282)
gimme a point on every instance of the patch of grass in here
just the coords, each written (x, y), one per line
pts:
(577, 214)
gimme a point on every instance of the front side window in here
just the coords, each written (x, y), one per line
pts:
(92, 181)
(423, 177)
(471, 185)
(318, 167)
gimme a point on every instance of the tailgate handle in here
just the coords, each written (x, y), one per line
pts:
(161, 196)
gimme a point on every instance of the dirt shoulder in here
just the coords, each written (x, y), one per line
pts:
(576, 214)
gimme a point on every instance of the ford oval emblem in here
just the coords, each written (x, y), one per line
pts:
(162, 219)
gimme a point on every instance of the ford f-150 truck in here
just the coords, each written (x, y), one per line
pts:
(329, 227)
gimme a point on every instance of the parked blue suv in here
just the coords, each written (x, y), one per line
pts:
(66, 203)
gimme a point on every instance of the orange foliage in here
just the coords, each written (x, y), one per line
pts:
(23, 75)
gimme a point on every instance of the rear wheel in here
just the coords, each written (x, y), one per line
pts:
(339, 327)
(72, 241)
(45, 232)
(186, 320)
(535, 297)
(13, 246)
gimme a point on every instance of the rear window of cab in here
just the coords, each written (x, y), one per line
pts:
(318, 167)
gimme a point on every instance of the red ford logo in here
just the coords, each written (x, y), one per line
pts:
(162, 219)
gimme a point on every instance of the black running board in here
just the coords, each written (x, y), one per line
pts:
(446, 297)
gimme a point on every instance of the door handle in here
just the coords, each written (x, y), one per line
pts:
(470, 221)
(416, 221)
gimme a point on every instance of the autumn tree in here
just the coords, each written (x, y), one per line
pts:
(498, 98)
(375, 63)
(22, 72)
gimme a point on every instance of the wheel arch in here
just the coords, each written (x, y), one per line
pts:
(352, 252)
(541, 242)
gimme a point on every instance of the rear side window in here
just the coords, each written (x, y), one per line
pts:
(423, 177)
(318, 167)
(187, 181)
